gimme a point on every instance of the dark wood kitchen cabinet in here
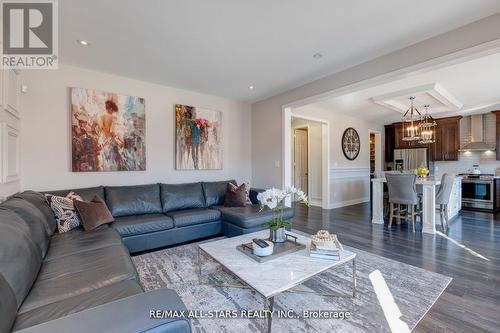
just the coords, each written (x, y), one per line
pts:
(447, 142)
(389, 143)
(446, 147)
(497, 113)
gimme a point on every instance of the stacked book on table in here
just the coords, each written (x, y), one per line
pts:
(325, 252)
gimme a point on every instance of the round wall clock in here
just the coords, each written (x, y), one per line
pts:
(350, 143)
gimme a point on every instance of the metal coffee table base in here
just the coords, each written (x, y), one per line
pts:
(270, 300)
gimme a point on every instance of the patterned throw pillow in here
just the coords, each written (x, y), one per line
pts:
(247, 190)
(64, 211)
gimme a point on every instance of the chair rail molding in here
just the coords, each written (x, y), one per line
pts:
(343, 173)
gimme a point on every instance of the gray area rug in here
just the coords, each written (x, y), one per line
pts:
(413, 289)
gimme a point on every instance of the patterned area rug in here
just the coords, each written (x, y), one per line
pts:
(414, 291)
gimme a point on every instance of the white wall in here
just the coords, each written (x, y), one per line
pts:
(267, 115)
(46, 135)
(315, 158)
(349, 181)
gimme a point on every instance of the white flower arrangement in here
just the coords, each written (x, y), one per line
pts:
(274, 199)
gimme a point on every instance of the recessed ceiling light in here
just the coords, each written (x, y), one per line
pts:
(250, 87)
(83, 42)
(317, 56)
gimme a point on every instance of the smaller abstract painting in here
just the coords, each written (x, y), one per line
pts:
(198, 138)
(108, 131)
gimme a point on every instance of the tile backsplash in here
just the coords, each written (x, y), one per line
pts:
(486, 160)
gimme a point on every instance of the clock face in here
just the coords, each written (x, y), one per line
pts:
(350, 143)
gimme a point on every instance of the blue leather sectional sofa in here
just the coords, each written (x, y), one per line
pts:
(85, 281)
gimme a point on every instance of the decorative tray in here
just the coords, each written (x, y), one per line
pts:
(290, 245)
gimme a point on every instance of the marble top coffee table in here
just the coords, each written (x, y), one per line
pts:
(275, 276)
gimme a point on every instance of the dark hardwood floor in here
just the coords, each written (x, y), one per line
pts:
(471, 302)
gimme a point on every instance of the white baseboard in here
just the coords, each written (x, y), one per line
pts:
(315, 202)
(348, 203)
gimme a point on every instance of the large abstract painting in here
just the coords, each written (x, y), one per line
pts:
(108, 131)
(198, 138)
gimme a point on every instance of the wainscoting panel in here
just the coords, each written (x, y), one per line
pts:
(348, 186)
(10, 153)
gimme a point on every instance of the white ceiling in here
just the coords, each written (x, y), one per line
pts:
(475, 84)
(223, 46)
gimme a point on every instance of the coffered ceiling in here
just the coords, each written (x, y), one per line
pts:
(466, 88)
(223, 47)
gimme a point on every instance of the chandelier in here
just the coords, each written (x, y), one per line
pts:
(427, 128)
(411, 123)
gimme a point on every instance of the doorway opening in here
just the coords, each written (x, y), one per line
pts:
(307, 148)
(300, 158)
(375, 152)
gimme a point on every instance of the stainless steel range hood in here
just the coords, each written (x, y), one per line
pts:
(477, 141)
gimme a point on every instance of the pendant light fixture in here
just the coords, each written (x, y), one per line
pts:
(411, 122)
(427, 128)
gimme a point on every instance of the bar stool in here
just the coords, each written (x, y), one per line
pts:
(443, 198)
(402, 192)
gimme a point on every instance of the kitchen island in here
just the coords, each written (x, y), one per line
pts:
(429, 186)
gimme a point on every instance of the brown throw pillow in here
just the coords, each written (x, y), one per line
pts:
(236, 196)
(93, 214)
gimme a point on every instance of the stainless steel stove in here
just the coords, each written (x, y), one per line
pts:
(478, 191)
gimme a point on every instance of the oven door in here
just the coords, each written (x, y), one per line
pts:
(477, 191)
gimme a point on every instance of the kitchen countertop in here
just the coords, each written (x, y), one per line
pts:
(423, 181)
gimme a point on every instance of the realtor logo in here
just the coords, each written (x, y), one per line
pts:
(29, 34)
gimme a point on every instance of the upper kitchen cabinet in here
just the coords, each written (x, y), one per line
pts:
(497, 113)
(447, 142)
(10, 91)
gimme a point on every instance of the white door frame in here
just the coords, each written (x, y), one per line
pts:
(325, 155)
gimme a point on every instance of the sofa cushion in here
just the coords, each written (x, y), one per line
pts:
(8, 305)
(133, 200)
(79, 273)
(20, 257)
(194, 216)
(181, 196)
(94, 213)
(40, 202)
(77, 241)
(77, 303)
(33, 218)
(86, 193)
(250, 216)
(215, 192)
(141, 224)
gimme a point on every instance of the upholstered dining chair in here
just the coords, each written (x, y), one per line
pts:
(402, 192)
(443, 198)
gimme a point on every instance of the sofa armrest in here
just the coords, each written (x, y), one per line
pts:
(253, 195)
(127, 315)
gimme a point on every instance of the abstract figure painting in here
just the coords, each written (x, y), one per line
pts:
(198, 138)
(108, 131)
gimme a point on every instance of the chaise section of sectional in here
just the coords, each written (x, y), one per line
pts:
(74, 281)
(126, 315)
